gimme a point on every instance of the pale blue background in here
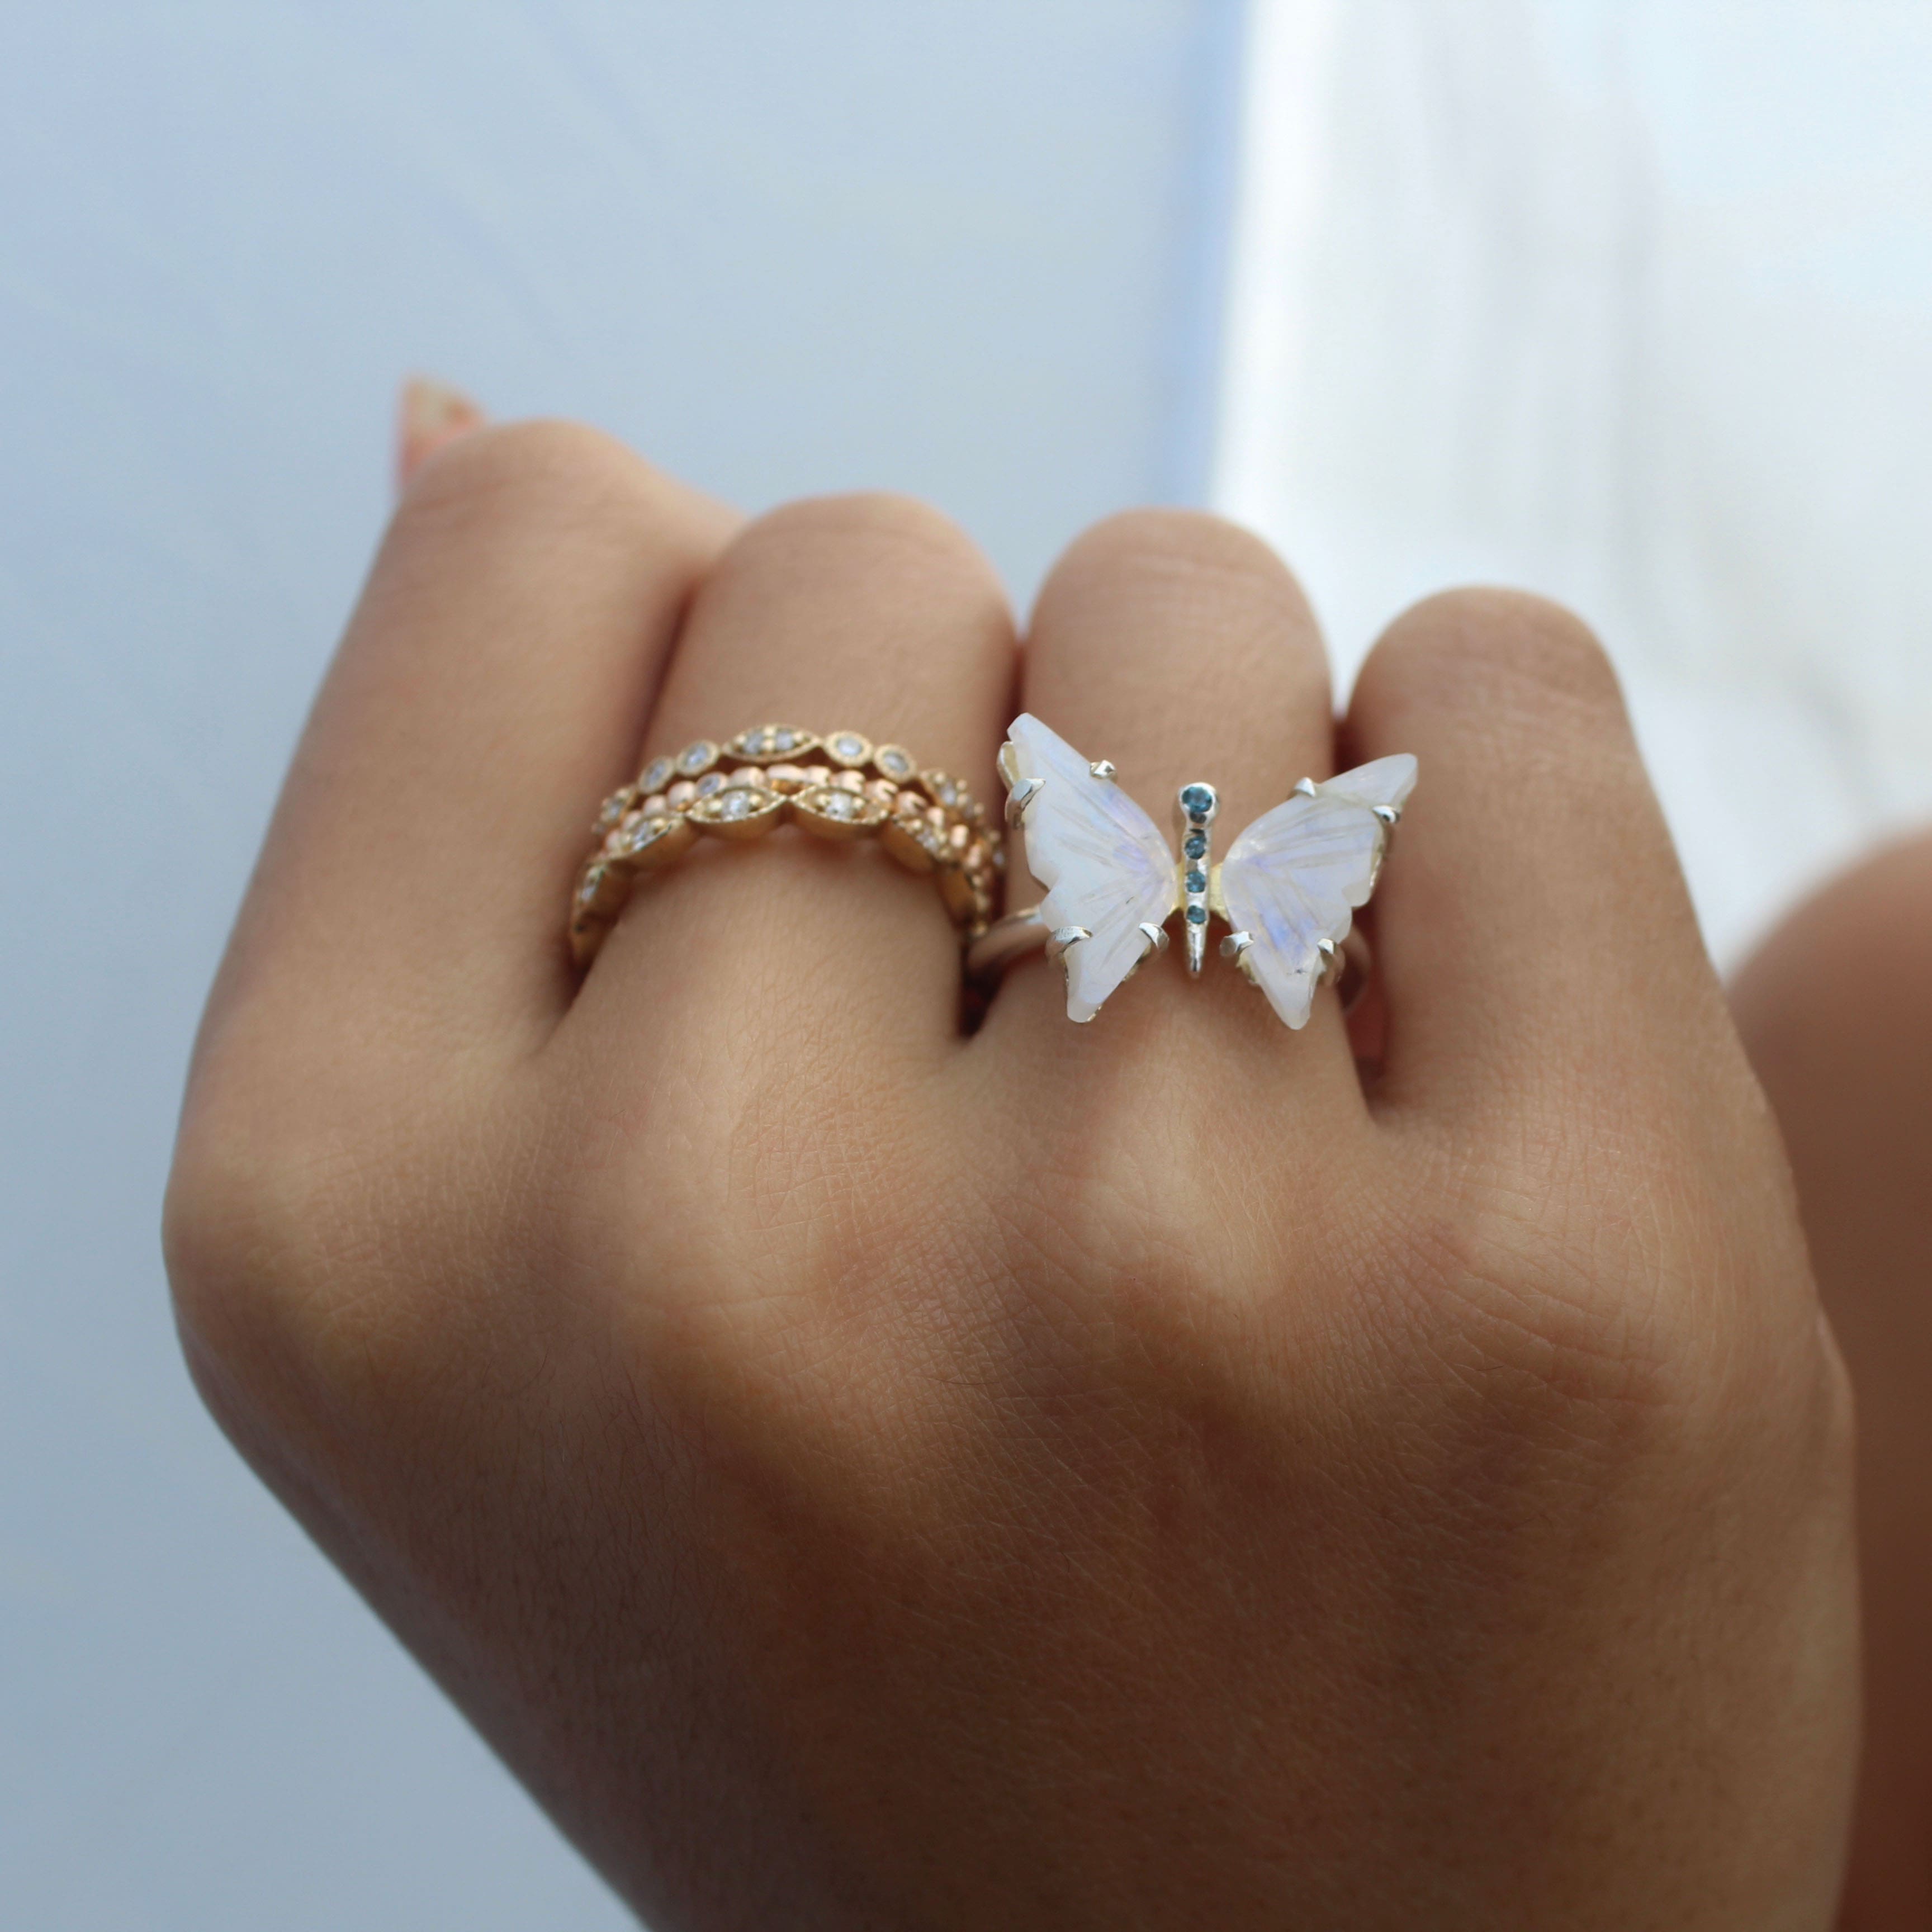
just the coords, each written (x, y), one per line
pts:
(966, 249)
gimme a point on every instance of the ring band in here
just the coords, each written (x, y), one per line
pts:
(841, 786)
(1008, 940)
(1004, 941)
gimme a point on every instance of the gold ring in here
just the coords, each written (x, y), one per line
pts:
(841, 786)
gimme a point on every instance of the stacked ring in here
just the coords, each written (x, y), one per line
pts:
(839, 786)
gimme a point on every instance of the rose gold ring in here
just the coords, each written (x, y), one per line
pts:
(841, 786)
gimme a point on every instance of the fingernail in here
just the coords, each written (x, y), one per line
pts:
(429, 415)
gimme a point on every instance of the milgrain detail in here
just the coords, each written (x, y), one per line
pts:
(841, 786)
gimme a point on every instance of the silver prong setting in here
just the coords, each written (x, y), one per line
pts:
(1021, 796)
(1390, 815)
(1102, 768)
(1059, 943)
(1157, 943)
(1304, 788)
(1237, 946)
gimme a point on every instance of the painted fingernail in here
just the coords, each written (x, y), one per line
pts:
(430, 414)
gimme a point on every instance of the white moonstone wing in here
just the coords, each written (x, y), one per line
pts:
(1383, 781)
(1295, 876)
(1103, 860)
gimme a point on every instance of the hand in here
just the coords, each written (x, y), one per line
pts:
(1154, 1473)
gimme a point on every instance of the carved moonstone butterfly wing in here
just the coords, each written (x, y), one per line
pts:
(1295, 877)
(1104, 863)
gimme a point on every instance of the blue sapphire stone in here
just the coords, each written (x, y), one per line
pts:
(1197, 880)
(1197, 915)
(1197, 801)
(1196, 845)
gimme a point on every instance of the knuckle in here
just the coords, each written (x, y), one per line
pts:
(875, 526)
(243, 1223)
(1593, 1294)
(1532, 1352)
(1147, 582)
(1124, 1195)
(286, 1248)
(1504, 650)
(1189, 549)
(1554, 1257)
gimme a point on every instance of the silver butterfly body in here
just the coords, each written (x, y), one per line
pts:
(1287, 888)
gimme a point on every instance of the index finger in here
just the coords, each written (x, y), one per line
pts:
(489, 690)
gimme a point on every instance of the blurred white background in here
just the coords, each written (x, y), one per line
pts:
(964, 249)
(1629, 300)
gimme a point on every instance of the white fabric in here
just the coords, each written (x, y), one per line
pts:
(1629, 301)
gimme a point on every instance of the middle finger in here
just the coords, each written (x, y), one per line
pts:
(1181, 649)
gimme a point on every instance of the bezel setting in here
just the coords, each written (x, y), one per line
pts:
(738, 810)
(769, 741)
(837, 812)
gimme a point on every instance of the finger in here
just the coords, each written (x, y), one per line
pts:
(489, 689)
(1531, 921)
(430, 416)
(871, 614)
(1181, 649)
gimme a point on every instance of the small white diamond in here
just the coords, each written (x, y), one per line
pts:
(949, 792)
(840, 805)
(588, 890)
(780, 740)
(657, 775)
(695, 758)
(711, 781)
(849, 744)
(646, 831)
(740, 803)
(894, 763)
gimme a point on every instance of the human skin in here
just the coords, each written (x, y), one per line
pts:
(1155, 1474)
(1848, 1065)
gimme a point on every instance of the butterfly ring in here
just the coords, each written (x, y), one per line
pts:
(1287, 890)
